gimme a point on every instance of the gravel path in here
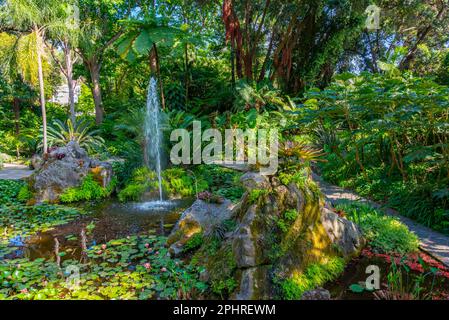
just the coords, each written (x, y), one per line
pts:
(434, 243)
(14, 172)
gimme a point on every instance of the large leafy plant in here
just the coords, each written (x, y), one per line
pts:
(60, 133)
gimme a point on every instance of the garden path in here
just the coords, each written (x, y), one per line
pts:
(432, 242)
(13, 171)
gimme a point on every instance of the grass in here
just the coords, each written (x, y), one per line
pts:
(385, 234)
(314, 275)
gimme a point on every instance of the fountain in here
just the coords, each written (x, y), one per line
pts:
(153, 136)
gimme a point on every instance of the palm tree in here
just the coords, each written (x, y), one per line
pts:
(143, 37)
(26, 18)
(18, 68)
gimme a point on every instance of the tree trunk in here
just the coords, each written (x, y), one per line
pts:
(94, 69)
(39, 46)
(187, 76)
(16, 109)
(265, 61)
(70, 83)
(232, 67)
(156, 72)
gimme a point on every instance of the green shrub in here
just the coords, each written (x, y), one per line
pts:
(386, 150)
(9, 191)
(287, 218)
(256, 194)
(178, 182)
(291, 215)
(385, 234)
(132, 192)
(142, 180)
(24, 194)
(175, 182)
(89, 190)
(314, 275)
(194, 242)
(221, 181)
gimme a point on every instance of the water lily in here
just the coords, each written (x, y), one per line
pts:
(147, 265)
(103, 246)
(163, 269)
(99, 252)
(147, 245)
(24, 290)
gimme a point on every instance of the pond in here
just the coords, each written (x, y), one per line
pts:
(105, 221)
(110, 220)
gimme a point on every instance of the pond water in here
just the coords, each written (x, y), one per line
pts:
(110, 220)
(105, 221)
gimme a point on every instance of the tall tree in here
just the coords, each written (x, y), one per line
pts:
(64, 36)
(18, 68)
(298, 41)
(408, 31)
(32, 17)
(100, 28)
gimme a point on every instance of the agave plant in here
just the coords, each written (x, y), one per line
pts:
(60, 133)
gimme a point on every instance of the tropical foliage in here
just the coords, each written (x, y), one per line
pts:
(361, 100)
(81, 132)
(386, 136)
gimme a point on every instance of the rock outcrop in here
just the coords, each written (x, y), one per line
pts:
(279, 231)
(201, 217)
(65, 167)
(316, 294)
(342, 232)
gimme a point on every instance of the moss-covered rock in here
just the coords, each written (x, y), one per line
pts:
(281, 235)
(64, 168)
(201, 217)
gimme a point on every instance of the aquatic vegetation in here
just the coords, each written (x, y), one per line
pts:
(414, 276)
(24, 194)
(135, 267)
(20, 220)
(385, 234)
(9, 191)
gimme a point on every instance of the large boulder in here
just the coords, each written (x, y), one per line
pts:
(36, 162)
(346, 235)
(66, 167)
(280, 230)
(200, 218)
